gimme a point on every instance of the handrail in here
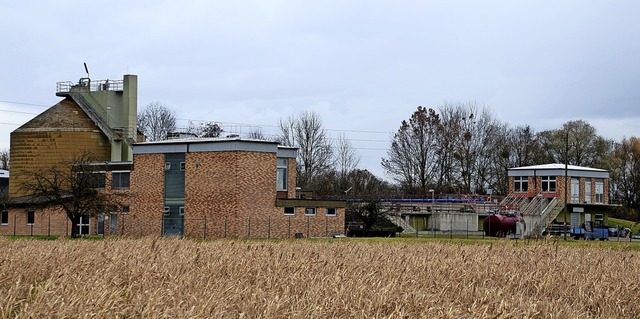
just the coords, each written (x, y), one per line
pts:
(92, 86)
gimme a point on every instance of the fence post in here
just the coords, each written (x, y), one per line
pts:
(326, 226)
(289, 230)
(308, 231)
(205, 228)
(49, 227)
(249, 234)
(269, 228)
(15, 221)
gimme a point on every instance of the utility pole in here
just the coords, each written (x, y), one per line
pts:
(566, 177)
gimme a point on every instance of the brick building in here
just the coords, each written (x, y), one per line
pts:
(550, 195)
(223, 187)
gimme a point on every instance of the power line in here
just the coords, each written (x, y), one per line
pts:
(23, 103)
(19, 112)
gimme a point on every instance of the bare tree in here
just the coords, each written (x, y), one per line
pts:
(75, 187)
(576, 143)
(346, 157)
(412, 158)
(4, 159)
(256, 134)
(315, 151)
(624, 165)
(155, 121)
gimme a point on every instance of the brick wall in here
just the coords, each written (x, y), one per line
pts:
(227, 194)
(57, 135)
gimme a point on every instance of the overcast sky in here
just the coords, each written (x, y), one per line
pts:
(363, 66)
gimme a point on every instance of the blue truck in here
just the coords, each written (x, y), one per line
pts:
(589, 232)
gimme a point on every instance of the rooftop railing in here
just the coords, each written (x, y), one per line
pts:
(85, 84)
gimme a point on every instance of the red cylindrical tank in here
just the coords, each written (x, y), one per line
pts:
(500, 225)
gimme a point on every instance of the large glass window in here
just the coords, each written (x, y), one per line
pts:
(548, 184)
(520, 184)
(599, 192)
(120, 179)
(281, 178)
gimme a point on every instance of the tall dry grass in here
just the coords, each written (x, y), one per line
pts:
(172, 278)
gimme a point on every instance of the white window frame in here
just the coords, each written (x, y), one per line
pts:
(587, 191)
(166, 211)
(125, 210)
(308, 210)
(120, 172)
(335, 211)
(80, 224)
(281, 166)
(183, 166)
(289, 214)
(167, 166)
(547, 181)
(519, 182)
(181, 211)
(599, 192)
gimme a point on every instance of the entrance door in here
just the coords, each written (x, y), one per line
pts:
(113, 224)
(100, 230)
(173, 221)
(575, 220)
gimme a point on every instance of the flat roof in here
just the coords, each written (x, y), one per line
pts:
(213, 144)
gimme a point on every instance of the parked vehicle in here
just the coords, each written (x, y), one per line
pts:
(589, 232)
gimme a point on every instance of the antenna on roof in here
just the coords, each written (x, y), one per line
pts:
(86, 69)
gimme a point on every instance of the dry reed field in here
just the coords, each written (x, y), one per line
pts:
(341, 278)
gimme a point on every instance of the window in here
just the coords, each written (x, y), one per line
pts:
(310, 211)
(31, 217)
(92, 179)
(167, 166)
(181, 210)
(83, 225)
(331, 211)
(166, 210)
(4, 217)
(125, 210)
(599, 192)
(587, 191)
(289, 210)
(120, 179)
(281, 177)
(520, 184)
(548, 184)
(183, 165)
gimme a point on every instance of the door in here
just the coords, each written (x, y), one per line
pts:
(113, 224)
(100, 230)
(173, 221)
(575, 220)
